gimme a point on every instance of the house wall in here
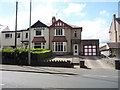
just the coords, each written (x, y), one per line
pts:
(118, 31)
(115, 26)
(11, 41)
(112, 32)
(7, 42)
(67, 36)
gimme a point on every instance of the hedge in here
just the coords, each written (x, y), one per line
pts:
(20, 56)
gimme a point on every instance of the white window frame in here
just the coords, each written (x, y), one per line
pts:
(39, 29)
(60, 43)
(9, 37)
(18, 34)
(63, 32)
(42, 44)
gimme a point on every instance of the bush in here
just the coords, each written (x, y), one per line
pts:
(21, 55)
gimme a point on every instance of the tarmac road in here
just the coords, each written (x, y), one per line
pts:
(39, 80)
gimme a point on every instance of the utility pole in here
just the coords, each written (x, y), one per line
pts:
(15, 59)
(16, 25)
(29, 54)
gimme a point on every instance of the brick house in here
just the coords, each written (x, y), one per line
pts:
(60, 37)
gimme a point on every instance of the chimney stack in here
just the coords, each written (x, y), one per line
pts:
(53, 19)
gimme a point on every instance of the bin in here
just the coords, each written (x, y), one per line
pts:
(117, 64)
(82, 64)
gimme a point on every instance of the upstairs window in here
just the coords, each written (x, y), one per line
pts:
(59, 32)
(26, 36)
(18, 35)
(8, 36)
(39, 31)
(75, 33)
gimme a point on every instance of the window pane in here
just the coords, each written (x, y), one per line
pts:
(90, 46)
(86, 53)
(94, 50)
(86, 50)
(94, 46)
(18, 35)
(75, 47)
(59, 32)
(26, 35)
(86, 46)
(90, 53)
(90, 50)
(38, 32)
(94, 53)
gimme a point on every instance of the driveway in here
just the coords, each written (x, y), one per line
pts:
(90, 61)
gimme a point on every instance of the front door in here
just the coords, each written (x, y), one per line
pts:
(75, 49)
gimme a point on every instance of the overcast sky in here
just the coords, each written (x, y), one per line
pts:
(94, 16)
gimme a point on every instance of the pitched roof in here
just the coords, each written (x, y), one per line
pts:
(65, 24)
(38, 24)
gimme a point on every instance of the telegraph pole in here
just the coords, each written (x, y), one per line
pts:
(16, 25)
(29, 54)
(15, 59)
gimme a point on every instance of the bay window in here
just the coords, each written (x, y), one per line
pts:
(39, 45)
(59, 46)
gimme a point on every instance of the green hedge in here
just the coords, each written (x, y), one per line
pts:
(37, 55)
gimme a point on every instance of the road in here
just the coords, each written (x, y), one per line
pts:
(39, 80)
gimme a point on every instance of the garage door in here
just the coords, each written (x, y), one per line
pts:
(90, 50)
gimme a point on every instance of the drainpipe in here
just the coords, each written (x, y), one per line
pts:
(114, 17)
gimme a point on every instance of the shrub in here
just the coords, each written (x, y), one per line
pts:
(21, 55)
(8, 50)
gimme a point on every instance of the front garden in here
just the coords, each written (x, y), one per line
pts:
(39, 57)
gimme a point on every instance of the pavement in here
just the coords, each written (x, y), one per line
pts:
(94, 67)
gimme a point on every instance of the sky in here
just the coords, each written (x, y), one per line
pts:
(95, 16)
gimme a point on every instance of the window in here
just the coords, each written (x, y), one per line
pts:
(26, 36)
(59, 32)
(39, 32)
(18, 35)
(59, 46)
(39, 45)
(75, 33)
(8, 36)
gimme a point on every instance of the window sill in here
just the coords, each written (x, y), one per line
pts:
(59, 35)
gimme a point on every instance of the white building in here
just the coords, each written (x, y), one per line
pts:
(2, 28)
(39, 37)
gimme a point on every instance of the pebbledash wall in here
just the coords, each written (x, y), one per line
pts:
(62, 38)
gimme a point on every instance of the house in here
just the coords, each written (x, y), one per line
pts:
(113, 47)
(39, 37)
(60, 37)
(2, 28)
(65, 39)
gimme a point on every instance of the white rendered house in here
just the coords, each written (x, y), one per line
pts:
(39, 37)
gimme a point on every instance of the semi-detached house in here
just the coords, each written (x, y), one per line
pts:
(60, 37)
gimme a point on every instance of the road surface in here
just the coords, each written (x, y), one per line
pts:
(40, 80)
